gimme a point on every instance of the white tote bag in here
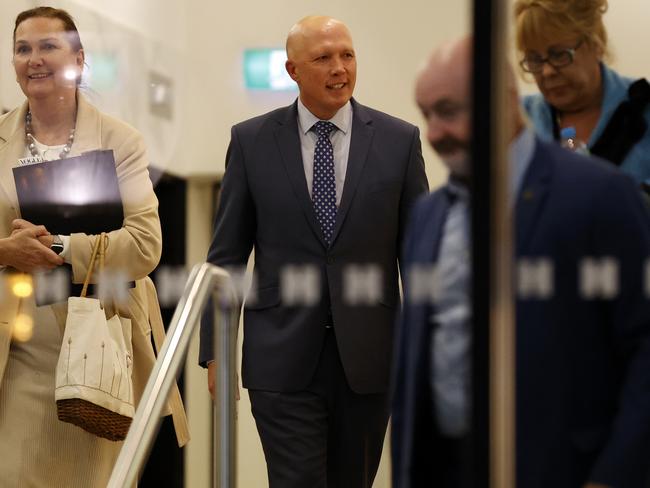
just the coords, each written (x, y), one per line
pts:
(94, 389)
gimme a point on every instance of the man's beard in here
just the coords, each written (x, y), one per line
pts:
(456, 156)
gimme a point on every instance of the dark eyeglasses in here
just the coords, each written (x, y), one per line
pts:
(558, 58)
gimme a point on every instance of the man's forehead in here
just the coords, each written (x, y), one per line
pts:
(442, 84)
(448, 68)
(316, 41)
(328, 34)
(318, 24)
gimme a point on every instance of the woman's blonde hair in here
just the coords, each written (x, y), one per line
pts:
(544, 20)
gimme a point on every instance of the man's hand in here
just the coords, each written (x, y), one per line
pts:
(212, 375)
(25, 251)
(212, 380)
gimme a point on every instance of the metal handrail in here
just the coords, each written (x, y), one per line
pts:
(203, 280)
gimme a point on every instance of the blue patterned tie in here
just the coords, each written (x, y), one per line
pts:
(323, 193)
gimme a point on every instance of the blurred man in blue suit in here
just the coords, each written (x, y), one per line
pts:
(583, 358)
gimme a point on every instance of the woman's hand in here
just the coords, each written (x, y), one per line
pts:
(27, 249)
(21, 224)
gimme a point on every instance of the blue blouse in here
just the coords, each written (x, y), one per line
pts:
(615, 86)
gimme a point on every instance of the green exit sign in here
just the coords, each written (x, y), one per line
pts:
(264, 70)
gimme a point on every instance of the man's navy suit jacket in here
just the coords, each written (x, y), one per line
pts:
(583, 366)
(265, 206)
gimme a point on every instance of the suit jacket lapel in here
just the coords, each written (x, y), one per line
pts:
(87, 129)
(362, 134)
(425, 251)
(288, 140)
(13, 132)
(429, 244)
(530, 200)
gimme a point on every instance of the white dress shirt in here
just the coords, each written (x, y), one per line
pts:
(450, 360)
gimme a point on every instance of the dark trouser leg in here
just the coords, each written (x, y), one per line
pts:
(324, 436)
(293, 431)
(357, 429)
(452, 459)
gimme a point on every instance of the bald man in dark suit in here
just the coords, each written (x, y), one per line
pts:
(325, 183)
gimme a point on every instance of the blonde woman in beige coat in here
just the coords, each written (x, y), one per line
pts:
(36, 449)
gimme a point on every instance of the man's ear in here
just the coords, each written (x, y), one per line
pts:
(291, 69)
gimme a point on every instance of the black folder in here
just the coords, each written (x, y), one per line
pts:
(77, 194)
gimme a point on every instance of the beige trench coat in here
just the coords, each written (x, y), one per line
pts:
(134, 249)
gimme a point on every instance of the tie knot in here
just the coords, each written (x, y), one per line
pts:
(324, 128)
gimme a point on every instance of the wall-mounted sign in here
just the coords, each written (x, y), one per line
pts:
(264, 70)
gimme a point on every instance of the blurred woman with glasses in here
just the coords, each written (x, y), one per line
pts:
(563, 44)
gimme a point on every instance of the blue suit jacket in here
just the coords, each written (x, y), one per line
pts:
(583, 366)
(265, 206)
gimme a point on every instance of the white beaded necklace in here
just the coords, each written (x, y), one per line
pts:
(31, 142)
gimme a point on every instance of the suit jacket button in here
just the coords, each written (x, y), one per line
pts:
(330, 260)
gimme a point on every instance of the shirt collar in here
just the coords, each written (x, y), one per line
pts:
(457, 189)
(342, 119)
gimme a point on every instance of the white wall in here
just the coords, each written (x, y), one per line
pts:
(163, 21)
(627, 24)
